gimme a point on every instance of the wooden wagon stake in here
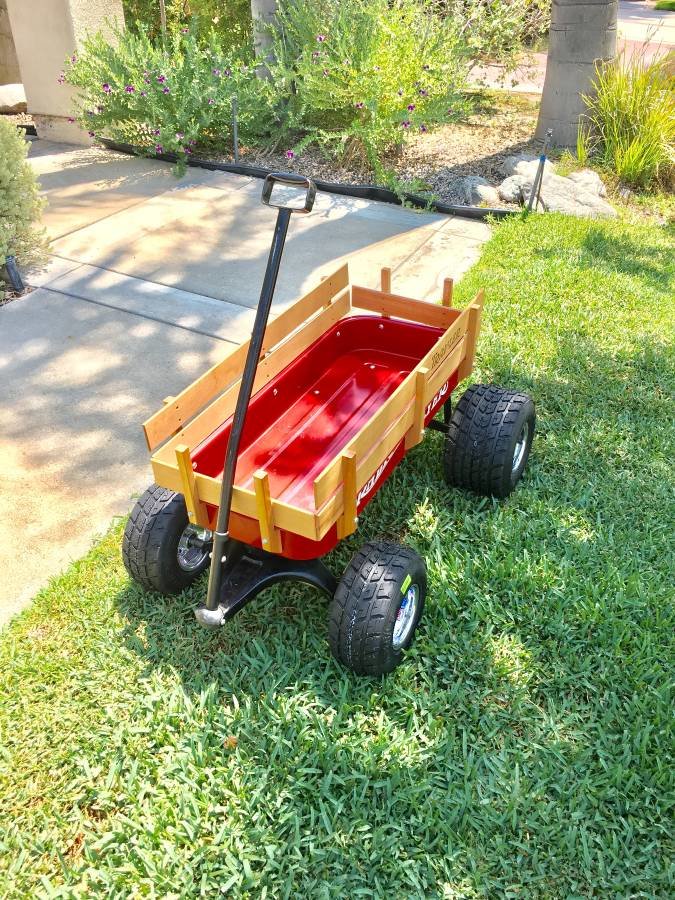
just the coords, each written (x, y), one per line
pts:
(347, 522)
(271, 539)
(466, 366)
(448, 285)
(416, 432)
(196, 510)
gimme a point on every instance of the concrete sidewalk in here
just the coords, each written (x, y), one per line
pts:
(151, 280)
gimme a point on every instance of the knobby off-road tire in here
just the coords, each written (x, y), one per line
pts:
(383, 585)
(150, 547)
(489, 440)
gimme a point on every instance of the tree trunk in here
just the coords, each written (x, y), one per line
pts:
(581, 35)
(263, 13)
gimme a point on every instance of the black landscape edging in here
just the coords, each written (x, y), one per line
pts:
(360, 191)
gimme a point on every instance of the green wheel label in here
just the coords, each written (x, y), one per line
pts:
(406, 584)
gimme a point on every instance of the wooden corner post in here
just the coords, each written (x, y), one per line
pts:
(466, 366)
(416, 432)
(196, 510)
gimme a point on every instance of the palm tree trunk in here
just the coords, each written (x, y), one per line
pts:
(581, 35)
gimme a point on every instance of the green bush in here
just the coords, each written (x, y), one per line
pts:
(231, 19)
(499, 29)
(359, 75)
(630, 124)
(165, 96)
(20, 202)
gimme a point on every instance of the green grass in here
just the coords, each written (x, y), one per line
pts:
(665, 5)
(523, 749)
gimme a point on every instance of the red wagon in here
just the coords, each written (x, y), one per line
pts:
(266, 461)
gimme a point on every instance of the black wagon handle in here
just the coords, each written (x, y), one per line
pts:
(291, 181)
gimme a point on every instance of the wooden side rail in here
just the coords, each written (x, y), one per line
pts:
(402, 307)
(183, 407)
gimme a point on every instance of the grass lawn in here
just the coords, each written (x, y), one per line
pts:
(525, 746)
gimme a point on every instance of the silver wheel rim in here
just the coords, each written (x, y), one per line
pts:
(405, 617)
(521, 446)
(194, 547)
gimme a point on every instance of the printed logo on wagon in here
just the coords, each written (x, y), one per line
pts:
(374, 478)
(437, 399)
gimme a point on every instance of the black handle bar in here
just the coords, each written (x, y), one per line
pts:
(292, 181)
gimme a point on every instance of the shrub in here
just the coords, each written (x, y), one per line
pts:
(20, 202)
(499, 29)
(359, 75)
(165, 96)
(630, 124)
(231, 19)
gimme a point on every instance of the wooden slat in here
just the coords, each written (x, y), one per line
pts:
(385, 279)
(441, 349)
(222, 408)
(347, 522)
(438, 378)
(168, 420)
(195, 508)
(473, 329)
(403, 307)
(271, 539)
(448, 285)
(416, 432)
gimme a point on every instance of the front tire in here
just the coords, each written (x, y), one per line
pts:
(489, 439)
(160, 549)
(377, 607)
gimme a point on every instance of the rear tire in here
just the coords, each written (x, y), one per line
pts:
(377, 607)
(489, 440)
(160, 548)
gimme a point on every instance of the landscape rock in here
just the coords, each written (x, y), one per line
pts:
(523, 164)
(477, 190)
(511, 189)
(591, 180)
(12, 99)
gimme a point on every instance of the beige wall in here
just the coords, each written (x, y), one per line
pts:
(9, 64)
(45, 33)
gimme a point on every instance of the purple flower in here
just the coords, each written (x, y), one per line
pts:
(411, 107)
(62, 77)
(71, 120)
(210, 101)
(184, 30)
(156, 132)
(144, 93)
(187, 150)
(179, 135)
(165, 90)
(400, 92)
(106, 88)
(159, 148)
(99, 109)
(90, 112)
(146, 80)
(73, 58)
(228, 72)
(426, 67)
(216, 72)
(376, 68)
(91, 134)
(359, 105)
(321, 38)
(129, 89)
(161, 78)
(423, 93)
(316, 54)
(405, 124)
(289, 154)
(423, 127)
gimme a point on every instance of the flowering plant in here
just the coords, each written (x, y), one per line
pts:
(361, 75)
(166, 96)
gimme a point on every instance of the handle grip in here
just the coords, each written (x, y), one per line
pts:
(292, 181)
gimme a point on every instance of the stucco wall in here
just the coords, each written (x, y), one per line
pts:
(9, 64)
(45, 33)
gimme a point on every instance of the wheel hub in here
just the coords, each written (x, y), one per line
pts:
(519, 449)
(194, 547)
(405, 617)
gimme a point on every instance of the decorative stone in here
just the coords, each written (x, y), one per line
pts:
(589, 179)
(477, 190)
(12, 98)
(511, 189)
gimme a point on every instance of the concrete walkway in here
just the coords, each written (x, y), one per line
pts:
(641, 29)
(151, 280)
